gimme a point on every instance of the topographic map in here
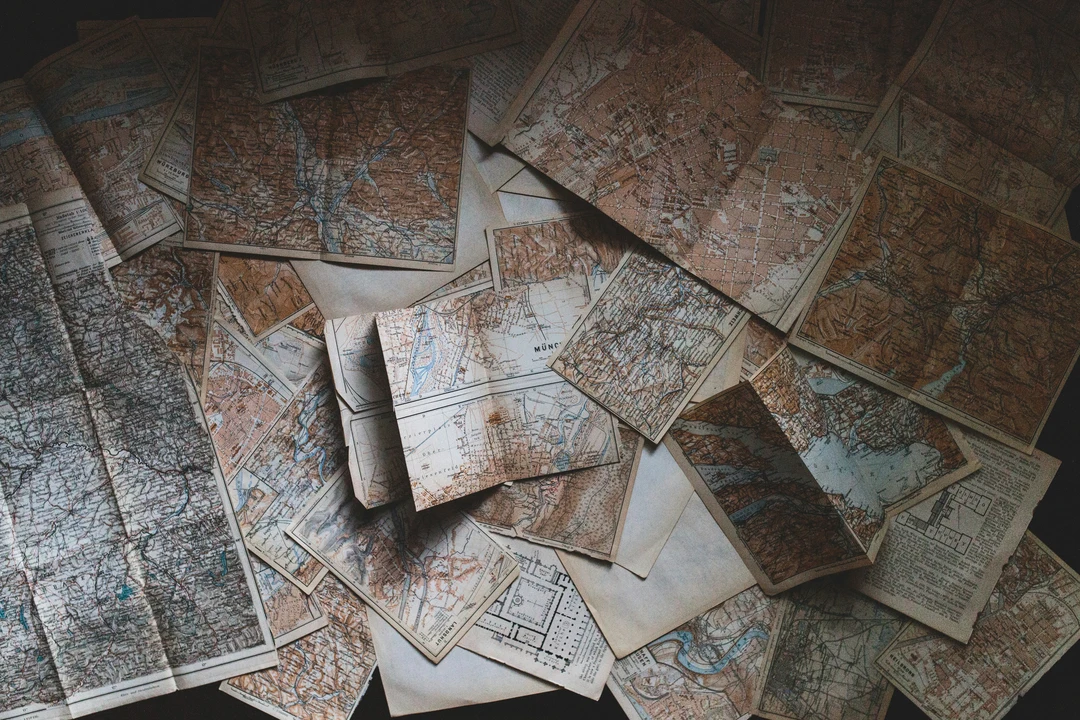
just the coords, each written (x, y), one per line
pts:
(172, 290)
(820, 662)
(105, 99)
(937, 296)
(265, 294)
(709, 667)
(431, 576)
(31, 164)
(647, 342)
(244, 394)
(290, 612)
(670, 137)
(475, 402)
(581, 511)
(321, 676)
(369, 174)
(1031, 619)
(541, 626)
(298, 454)
(121, 563)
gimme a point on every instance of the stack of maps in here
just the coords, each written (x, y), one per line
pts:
(692, 351)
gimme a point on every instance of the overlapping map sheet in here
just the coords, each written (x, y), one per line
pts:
(323, 675)
(540, 625)
(109, 477)
(370, 174)
(820, 661)
(803, 465)
(475, 403)
(582, 511)
(429, 575)
(263, 294)
(731, 24)
(938, 296)
(1030, 621)
(290, 612)
(311, 44)
(709, 667)
(175, 41)
(648, 341)
(731, 186)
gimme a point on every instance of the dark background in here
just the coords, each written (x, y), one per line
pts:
(33, 29)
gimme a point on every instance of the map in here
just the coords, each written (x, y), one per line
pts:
(172, 290)
(105, 99)
(939, 297)
(244, 395)
(265, 294)
(1030, 621)
(540, 625)
(762, 342)
(175, 41)
(302, 449)
(430, 575)
(290, 612)
(645, 345)
(709, 667)
(32, 165)
(581, 511)
(382, 189)
(311, 44)
(357, 361)
(945, 513)
(843, 53)
(110, 479)
(478, 278)
(475, 402)
(820, 662)
(672, 139)
(376, 458)
(321, 676)
(296, 352)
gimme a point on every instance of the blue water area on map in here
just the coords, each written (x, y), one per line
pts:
(419, 366)
(32, 126)
(686, 641)
(125, 593)
(86, 78)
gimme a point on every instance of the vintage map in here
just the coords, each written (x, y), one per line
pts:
(357, 361)
(105, 99)
(820, 661)
(581, 511)
(647, 342)
(941, 298)
(376, 458)
(429, 575)
(843, 53)
(244, 395)
(172, 290)
(110, 478)
(290, 612)
(295, 351)
(175, 41)
(311, 44)
(709, 667)
(302, 449)
(732, 187)
(478, 278)
(382, 190)
(540, 625)
(475, 403)
(265, 294)
(1031, 619)
(321, 676)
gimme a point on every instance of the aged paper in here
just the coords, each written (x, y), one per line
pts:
(381, 190)
(540, 625)
(245, 393)
(709, 667)
(474, 280)
(938, 296)
(734, 188)
(293, 350)
(297, 456)
(431, 576)
(1030, 621)
(266, 294)
(697, 569)
(316, 43)
(111, 477)
(820, 661)
(647, 342)
(31, 163)
(290, 612)
(581, 511)
(105, 99)
(474, 399)
(803, 465)
(529, 181)
(731, 24)
(175, 41)
(942, 558)
(321, 676)
(414, 684)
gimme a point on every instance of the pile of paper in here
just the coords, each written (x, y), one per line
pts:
(697, 350)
